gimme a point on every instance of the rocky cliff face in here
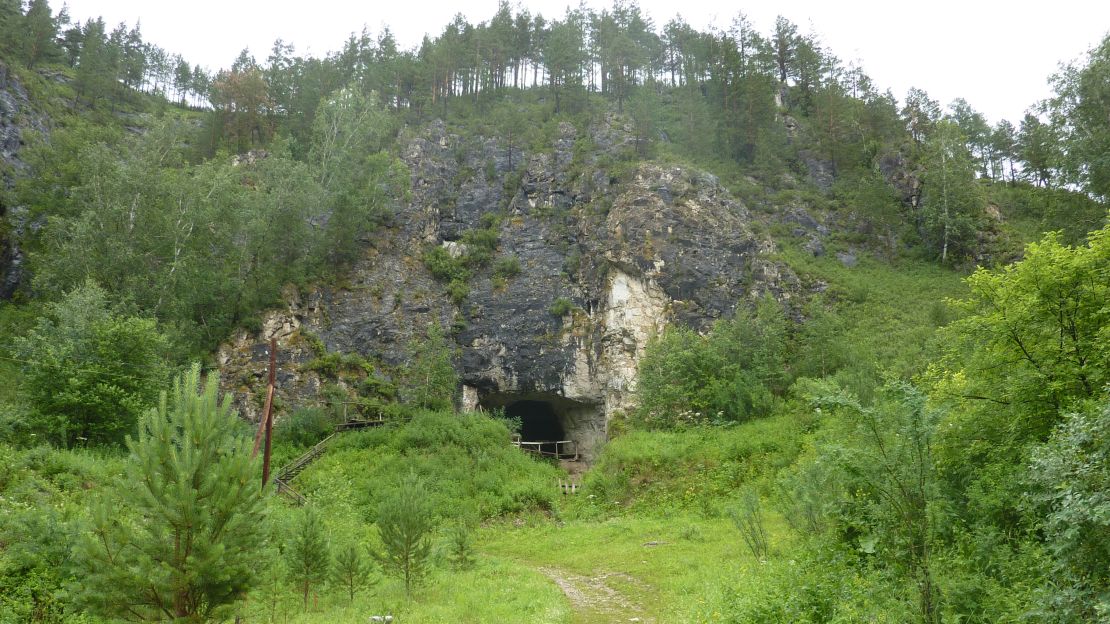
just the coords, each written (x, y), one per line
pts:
(16, 114)
(632, 247)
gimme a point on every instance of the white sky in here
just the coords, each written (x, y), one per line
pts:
(996, 54)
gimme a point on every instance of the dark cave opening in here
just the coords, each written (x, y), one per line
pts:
(538, 421)
(547, 417)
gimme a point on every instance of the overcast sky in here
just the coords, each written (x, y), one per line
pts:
(996, 54)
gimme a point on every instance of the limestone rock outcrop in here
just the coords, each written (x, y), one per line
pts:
(632, 246)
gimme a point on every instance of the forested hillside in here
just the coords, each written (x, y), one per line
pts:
(829, 353)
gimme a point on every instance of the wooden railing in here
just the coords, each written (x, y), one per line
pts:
(559, 449)
(284, 489)
(295, 467)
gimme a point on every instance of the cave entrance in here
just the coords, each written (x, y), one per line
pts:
(538, 421)
(551, 425)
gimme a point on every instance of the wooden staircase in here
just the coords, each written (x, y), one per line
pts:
(294, 468)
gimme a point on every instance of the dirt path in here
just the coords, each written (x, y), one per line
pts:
(595, 600)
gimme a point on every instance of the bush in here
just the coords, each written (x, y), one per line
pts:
(458, 290)
(91, 370)
(561, 307)
(1071, 474)
(333, 364)
(475, 470)
(506, 267)
(730, 375)
(442, 266)
(695, 469)
(823, 583)
(305, 426)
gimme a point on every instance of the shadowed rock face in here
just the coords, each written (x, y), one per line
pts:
(15, 116)
(656, 245)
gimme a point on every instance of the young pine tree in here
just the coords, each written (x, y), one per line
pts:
(179, 538)
(405, 522)
(308, 555)
(461, 545)
(351, 570)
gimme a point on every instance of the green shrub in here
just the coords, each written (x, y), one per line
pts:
(491, 220)
(91, 370)
(305, 426)
(506, 267)
(731, 374)
(476, 472)
(823, 583)
(334, 364)
(561, 307)
(458, 290)
(696, 469)
(442, 266)
(484, 238)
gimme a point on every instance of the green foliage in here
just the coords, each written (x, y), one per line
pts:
(1071, 474)
(479, 248)
(729, 375)
(429, 379)
(333, 365)
(1033, 210)
(461, 545)
(442, 266)
(885, 453)
(89, 370)
(179, 536)
(200, 247)
(822, 583)
(697, 468)
(561, 307)
(481, 241)
(748, 518)
(350, 569)
(349, 135)
(1078, 113)
(305, 426)
(475, 470)
(643, 108)
(308, 553)
(506, 267)
(868, 194)
(952, 202)
(1045, 319)
(405, 523)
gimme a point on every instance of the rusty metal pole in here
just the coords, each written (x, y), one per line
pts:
(262, 420)
(268, 416)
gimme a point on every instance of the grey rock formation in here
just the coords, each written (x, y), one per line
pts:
(633, 252)
(16, 115)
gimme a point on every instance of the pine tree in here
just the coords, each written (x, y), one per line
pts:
(12, 33)
(461, 545)
(351, 570)
(179, 537)
(40, 32)
(308, 556)
(405, 522)
(96, 76)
